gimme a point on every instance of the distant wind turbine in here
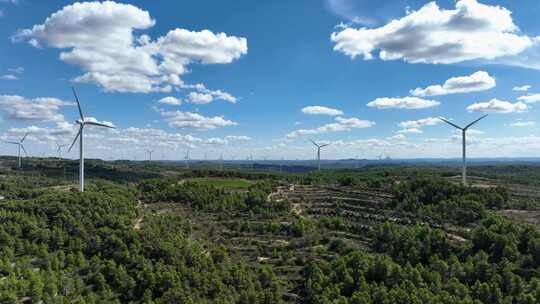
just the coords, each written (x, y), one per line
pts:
(82, 122)
(187, 159)
(59, 150)
(464, 142)
(20, 145)
(150, 154)
(221, 161)
(319, 146)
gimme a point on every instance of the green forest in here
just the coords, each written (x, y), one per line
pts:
(140, 234)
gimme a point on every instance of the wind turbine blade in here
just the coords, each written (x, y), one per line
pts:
(24, 137)
(324, 145)
(311, 140)
(12, 142)
(75, 140)
(24, 150)
(472, 123)
(453, 125)
(78, 103)
(98, 124)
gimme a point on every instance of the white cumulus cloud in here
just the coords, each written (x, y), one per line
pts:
(479, 81)
(522, 88)
(497, 106)
(531, 98)
(169, 100)
(189, 120)
(200, 98)
(522, 123)
(402, 103)
(471, 31)
(340, 124)
(102, 39)
(320, 110)
(410, 131)
(41, 109)
(429, 121)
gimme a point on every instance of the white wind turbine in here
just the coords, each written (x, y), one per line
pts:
(20, 145)
(186, 158)
(464, 142)
(150, 154)
(59, 150)
(319, 146)
(82, 122)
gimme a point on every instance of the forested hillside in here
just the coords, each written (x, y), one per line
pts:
(377, 235)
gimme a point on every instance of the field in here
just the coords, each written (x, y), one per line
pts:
(222, 183)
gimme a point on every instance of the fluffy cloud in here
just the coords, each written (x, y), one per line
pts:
(42, 109)
(99, 38)
(200, 98)
(169, 100)
(123, 140)
(522, 123)
(523, 88)
(341, 124)
(204, 96)
(237, 138)
(498, 106)
(402, 103)
(321, 110)
(189, 120)
(429, 121)
(440, 36)
(9, 77)
(479, 81)
(531, 98)
(410, 131)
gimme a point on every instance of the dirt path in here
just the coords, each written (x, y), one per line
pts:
(139, 220)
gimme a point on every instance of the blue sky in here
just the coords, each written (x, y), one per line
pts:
(261, 78)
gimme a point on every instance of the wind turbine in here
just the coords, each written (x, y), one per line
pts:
(319, 146)
(187, 159)
(464, 142)
(150, 154)
(82, 122)
(20, 145)
(59, 150)
(221, 161)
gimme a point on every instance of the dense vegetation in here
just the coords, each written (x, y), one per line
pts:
(69, 247)
(420, 265)
(446, 202)
(146, 233)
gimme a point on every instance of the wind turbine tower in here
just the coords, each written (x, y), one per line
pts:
(319, 146)
(150, 154)
(20, 146)
(464, 143)
(59, 150)
(187, 158)
(82, 122)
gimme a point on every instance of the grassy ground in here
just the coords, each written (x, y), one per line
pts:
(223, 183)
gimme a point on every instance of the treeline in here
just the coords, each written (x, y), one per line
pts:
(418, 264)
(83, 248)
